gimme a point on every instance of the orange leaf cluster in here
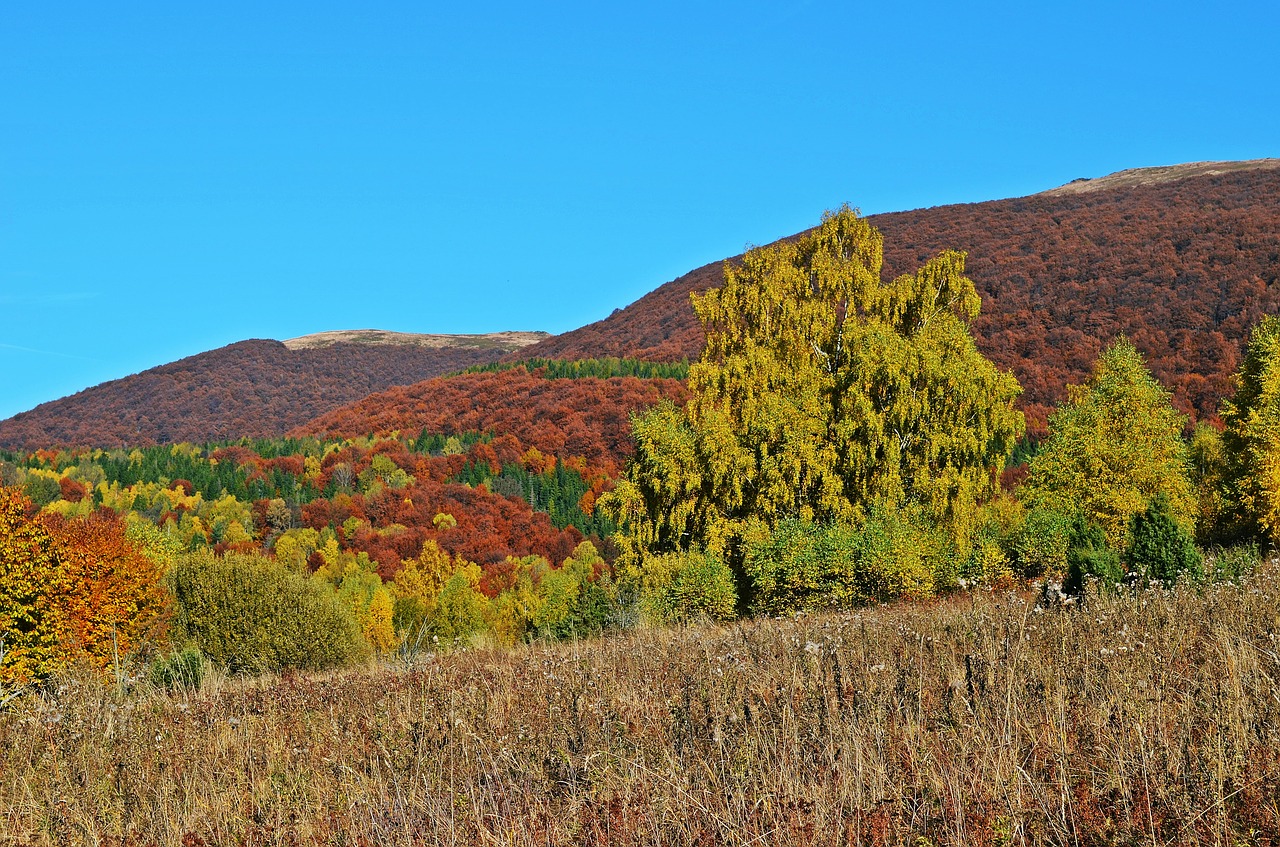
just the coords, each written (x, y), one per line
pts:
(70, 591)
(587, 417)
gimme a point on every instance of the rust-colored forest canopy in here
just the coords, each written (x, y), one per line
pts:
(1183, 267)
(251, 389)
(586, 417)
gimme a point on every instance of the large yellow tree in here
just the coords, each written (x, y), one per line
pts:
(1113, 446)
(823, 392)
(1252, 435)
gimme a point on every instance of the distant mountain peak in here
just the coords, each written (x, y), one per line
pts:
(1134, 177)
(503, 341)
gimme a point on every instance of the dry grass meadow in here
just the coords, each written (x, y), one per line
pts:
(1147, 718)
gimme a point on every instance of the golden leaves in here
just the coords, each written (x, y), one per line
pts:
(821, 391)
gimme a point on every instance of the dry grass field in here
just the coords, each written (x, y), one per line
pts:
(1147, 718)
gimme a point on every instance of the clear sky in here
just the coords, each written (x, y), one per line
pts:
(175, 177)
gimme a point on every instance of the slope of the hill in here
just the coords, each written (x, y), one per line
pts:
(1183, 260)
(256, 388)
(587, 417)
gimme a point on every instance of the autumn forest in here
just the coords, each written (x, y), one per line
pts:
(1026, 422)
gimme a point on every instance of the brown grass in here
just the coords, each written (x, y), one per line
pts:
(1151, 718)
(507, 341)
(1135, 177)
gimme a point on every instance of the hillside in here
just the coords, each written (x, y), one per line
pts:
(1183, 260)
(952, 723)
(499, 341)
(515, 458)
(586, 417)
(256, 388)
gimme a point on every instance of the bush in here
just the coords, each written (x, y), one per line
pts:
(988, 563)
(408, 617)
(251, 614)
(682, 587)
(899, 556)
(179, 671)
(792, 570)
(1231, 564)
(810, 566)
(461, 610)
(1089, 556)
(1160, 549)
(1040, 546)
(993, 555)
(571, 603)
(572, 606)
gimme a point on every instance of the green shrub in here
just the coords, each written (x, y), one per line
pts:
(1039, 547)
(1159, 548)
(988, 563)
(993, 554)
(41, 488)
(251, 615)
(572, 606)
(1089, 556)
(183, 670)
(461, 610)
(409, 615)
(1231, 564)
(571, 603)
(811, 566)
(901, 556)
(682, 587)
(794, 569)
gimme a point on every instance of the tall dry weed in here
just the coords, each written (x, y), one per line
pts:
(980, 719)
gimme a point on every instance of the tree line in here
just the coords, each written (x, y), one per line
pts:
(841, 441)
(844, 440)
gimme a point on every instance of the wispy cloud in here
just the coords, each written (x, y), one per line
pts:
(44, 352)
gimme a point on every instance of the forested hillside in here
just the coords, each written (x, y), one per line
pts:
(1183, 265)
(251, 389)
(585, 417)
(1183, 260)
(515, 459)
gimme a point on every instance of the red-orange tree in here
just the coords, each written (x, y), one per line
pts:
(70, 590)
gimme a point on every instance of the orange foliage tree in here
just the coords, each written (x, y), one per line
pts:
(71, 590)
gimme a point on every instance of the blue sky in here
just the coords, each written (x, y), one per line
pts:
(173, 178)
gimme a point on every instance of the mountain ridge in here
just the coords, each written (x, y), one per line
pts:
(256, 388)
(1183, 259)
(506, 341)
(1184, 263)
(1157, 174)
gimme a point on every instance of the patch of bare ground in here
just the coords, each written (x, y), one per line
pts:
(1135, 177)
(1139, 718)
(505, 341)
